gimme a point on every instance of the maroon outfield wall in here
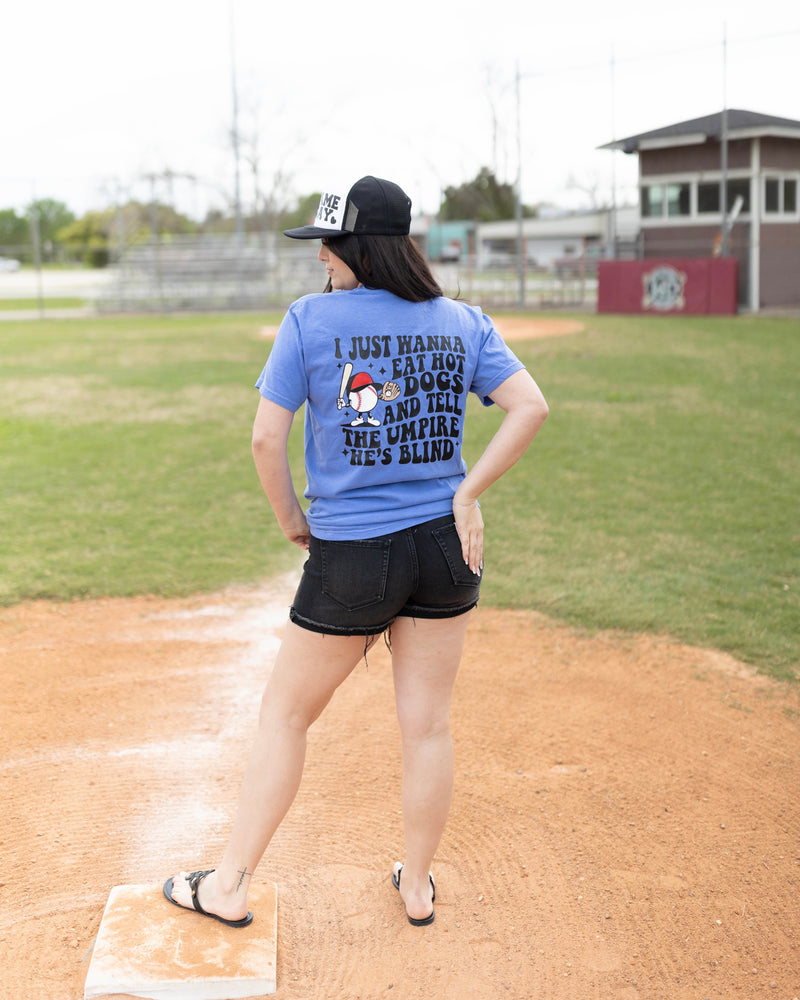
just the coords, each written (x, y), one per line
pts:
(694, 286)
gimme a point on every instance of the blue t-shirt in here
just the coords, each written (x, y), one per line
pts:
(385, 385)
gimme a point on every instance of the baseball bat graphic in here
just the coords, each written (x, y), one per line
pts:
(346, 373)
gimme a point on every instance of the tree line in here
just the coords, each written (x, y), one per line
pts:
(48, 231)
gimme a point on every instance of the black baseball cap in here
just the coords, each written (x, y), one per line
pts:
(372, 207)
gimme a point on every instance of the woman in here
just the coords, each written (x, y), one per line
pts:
(393, 530)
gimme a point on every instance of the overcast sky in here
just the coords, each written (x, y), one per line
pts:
(96, 96)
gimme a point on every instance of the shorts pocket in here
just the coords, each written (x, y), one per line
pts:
(447, 538)
(354, 573)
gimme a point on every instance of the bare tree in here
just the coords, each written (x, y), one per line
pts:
(590, 188)
(268, 149)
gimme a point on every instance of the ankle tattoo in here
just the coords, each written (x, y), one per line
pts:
(243, 874)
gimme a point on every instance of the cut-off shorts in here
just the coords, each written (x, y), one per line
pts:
(360, 587)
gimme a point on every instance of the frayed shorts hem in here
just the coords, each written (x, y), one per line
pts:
(374, 630)
(415, 611)
(325, 629)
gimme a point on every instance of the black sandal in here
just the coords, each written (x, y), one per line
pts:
(415, 921)
(194, 879)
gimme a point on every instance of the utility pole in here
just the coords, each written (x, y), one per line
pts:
(36, 239)
(613, 226)
(518, 202)
(723, 186)
(237, 195)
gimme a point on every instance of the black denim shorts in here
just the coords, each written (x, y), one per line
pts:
(360, 587)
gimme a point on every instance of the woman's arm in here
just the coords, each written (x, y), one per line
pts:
(525, 412)
(270, 436)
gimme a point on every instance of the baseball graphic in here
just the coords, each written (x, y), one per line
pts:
(346, 373)
(361, 393)
(363, 398)
(391, 390)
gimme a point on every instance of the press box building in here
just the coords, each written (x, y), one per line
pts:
(681, 168)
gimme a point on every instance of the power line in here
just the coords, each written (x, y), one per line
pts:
(649, 55)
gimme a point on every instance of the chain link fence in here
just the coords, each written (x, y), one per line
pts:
(265, 272)
(230, 273)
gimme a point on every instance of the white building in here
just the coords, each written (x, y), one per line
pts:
(548, 242)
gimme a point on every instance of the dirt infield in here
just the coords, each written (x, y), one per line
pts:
(511, 328)
(521, 328)
(625, 824)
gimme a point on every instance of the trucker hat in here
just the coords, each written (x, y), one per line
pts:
(372, 207)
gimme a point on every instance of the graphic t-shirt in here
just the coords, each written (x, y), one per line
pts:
(384, 382)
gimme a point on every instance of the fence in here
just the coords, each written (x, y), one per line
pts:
(175, 274)
(235, 273)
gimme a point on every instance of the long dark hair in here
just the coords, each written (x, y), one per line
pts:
(394, 263)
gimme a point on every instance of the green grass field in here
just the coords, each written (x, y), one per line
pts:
(660, 496)
(7, 305)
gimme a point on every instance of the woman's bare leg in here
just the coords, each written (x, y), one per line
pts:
(425, 657)
(308, 669)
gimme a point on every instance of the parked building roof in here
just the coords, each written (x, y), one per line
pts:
(740, 125)
(573, 224)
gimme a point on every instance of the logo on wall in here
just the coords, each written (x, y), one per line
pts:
(663, 289)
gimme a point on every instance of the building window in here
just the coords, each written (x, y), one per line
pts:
(659, 200)
(653, 201)
(708, 196)
(780, 196)
(736, 188)
(678, 196)
(772, 195)
(690, 199)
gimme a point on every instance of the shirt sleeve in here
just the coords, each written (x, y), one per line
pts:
(496, 363)
(284, 380)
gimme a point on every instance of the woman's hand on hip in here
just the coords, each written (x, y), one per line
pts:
(297, 530)
(469, 525)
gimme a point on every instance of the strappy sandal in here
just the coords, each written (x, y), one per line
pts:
(414, 921)
(194, 879)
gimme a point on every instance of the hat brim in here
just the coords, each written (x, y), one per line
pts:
(314, 233)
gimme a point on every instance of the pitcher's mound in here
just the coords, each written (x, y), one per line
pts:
(527, 328)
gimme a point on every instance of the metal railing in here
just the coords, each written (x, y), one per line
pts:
(188, 273)
(218, 273)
